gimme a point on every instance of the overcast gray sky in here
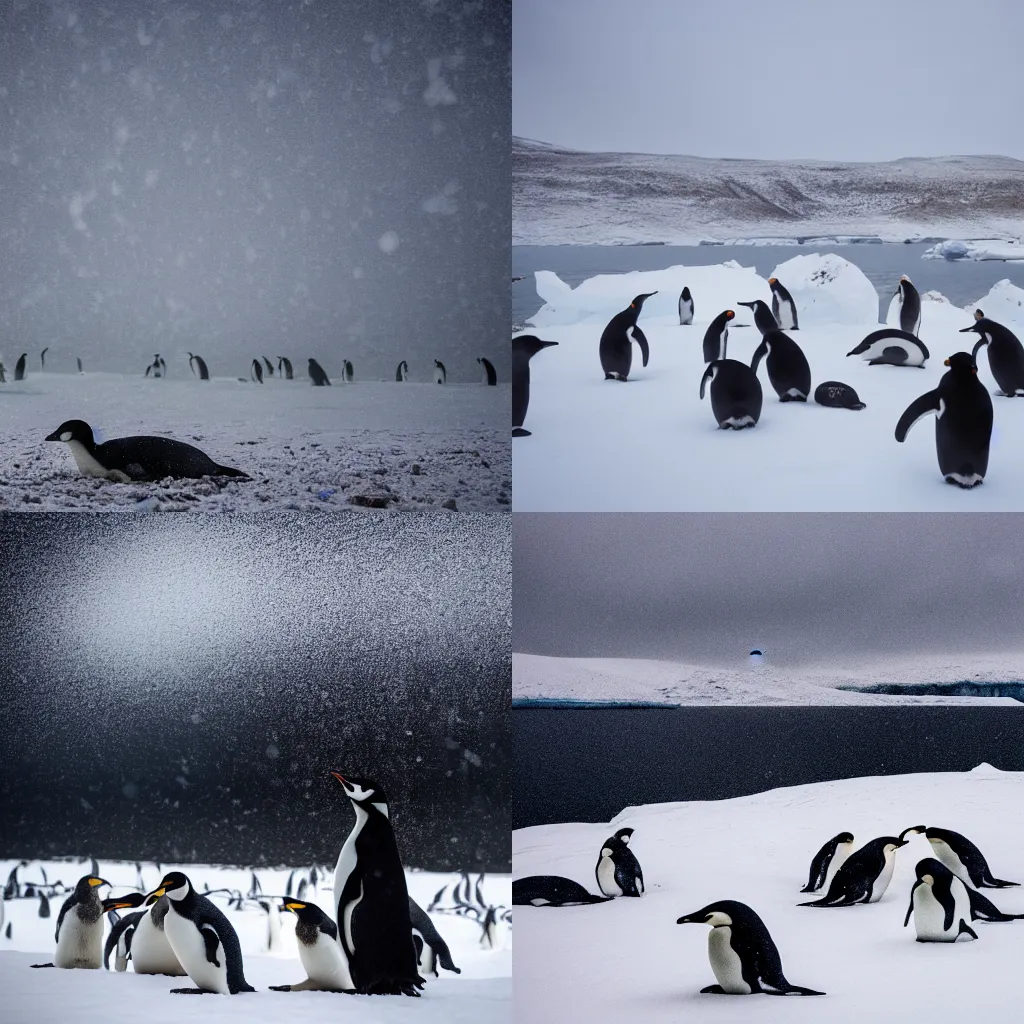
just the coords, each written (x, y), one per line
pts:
(872, 80)
(709, 587)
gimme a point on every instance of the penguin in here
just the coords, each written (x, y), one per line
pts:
(431, 949)
(736, 395)
(269, 365)
(79, 932)
(716, 337)
(864, 876)
(490, 377)
(910, 306)
(787, 366)
(743, 956)
(402, 373)
(618, 871)
(80, 370)
(125, 459)
(256, 371)
(891, 347)
(939, 903)
(371, 898)
(492, 935)
(828, 860)
(322, 959)
(19, 367)
(685, 307)
(962, 857)
(317, 375)
(119, 941)
(764, 318)
(524, 348)
(440, 373)
(198, 367)
(3, 372)
(150, 949)
(783, 306)
(44, 904)
(285, 363)
(42, 359)
(202, 939)
(552, 891)
(1005, 355)
(963, 422)
(616, 346)
(347, 372)
(836, 395)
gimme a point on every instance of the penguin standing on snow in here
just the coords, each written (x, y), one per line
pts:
(269, 365)
(736, 395)
(19, 367)
(764, 318)
(524, 348)
(788, 370)
(42, 359)
(490, 376)
(284, 366)
(910, 306)
(202, 938)
(685, 307)
(828, 860)
(440, 373)
(256, 371)
(783, 306)
(1005, 355)
(716, 337)
(347, 371)
(618, 871)
(317, 375)
(616, 347)
(864, 876)
(198, 367)
(939, 903)
(79, 933)
(743, 955)
(372, 900)
(402, 373)
(322, 959)
(963, 422)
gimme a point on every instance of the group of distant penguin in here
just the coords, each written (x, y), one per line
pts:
(944, 899)
(377, 943)
(961, 403)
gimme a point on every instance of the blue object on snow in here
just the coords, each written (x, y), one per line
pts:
(954, 250)
(325, 493)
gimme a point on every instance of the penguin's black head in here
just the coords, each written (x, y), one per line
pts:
(625, 834)
(961, 363)
(88, 883)
(363, 792)
(717, 915)
(638, 302)
(749, 305)
(979, 314)
(845, 837)
(914, 830)
(686, 292)
(175, 886)
(129, 902)
(530, 344)
(309, 912)
(929, 870)
(73, 430)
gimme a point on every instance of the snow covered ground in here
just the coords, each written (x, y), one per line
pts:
(482, 992)
(629, 960)
(400, 446)
(641, 679)
(653, 445)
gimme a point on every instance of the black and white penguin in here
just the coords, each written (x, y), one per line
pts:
(891, 347)
(372, 900)
(940, 904)
(828, 860)
(79, 932)
(119, 941)
(80, 370)
(618, 871)
(256, 371)
(783, 306)
(961, 856)
(158, 368)
(910, 306)
(551, 891)
(963, 422)
(743, 955)
(19, 367)
(141, 938)
(125, 459)
(202, 938)
(716, 337)
(431, 950)
(347, 371)
(764, 318)
(685, 307)
(317, 375)
(198, 366)
(524, 348)
(42, 359)
(284, 364)
(736, 395)
(616, 346)
(490, 376)
(269, 365)
(864, 877)
(1005, 355)
(321, 956)
(836, 395)
(440, 373)
(402, 373)
(788, 370)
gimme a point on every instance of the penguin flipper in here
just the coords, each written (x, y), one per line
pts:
(996, 883)
(519, 432)
(708, 374)
(211, 940)
(760, 352)
(792, 990)
(983, 909)
(43, 965)
(641, 339)
(715, 990)
(919, 408)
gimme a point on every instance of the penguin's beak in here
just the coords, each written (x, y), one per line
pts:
(55, 436)
(339, 777)
(292, 905)
(155, 895)
(97, 882)
(548, 344)
(689, 919)
(151, 899)
(967, 330)
(945, 362)
(116, 905)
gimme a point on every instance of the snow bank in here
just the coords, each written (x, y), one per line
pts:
(629, 960)
(1004, 303)
(828, 289)
(979, 249)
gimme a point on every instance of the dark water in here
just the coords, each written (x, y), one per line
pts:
(961, 282)
(588, 765)
(964, 688)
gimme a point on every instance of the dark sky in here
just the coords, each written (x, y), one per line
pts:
(179, 690)
(706, 588)
(255, 178)
(877, 80)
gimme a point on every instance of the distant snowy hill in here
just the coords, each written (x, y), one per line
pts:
(562, 196)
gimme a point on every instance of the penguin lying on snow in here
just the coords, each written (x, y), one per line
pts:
(892, 347)
(125, 459)
(828, 860)
(325, 964)
(743, 955)
(79, 933)
(552, 891)
(865, 875)
(961, 856)
(834, 394)
(618, 871)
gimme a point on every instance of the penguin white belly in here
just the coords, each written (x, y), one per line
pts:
(347, 918)
(929, 916)
(190, 949)
(347, 859)
(725, 962)
(881, 883)
(606, 878)
(944, 853)
(88, 466)
(839, 858)
(151, 952)
(325, 965)
(79, 944)
(785, 315)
